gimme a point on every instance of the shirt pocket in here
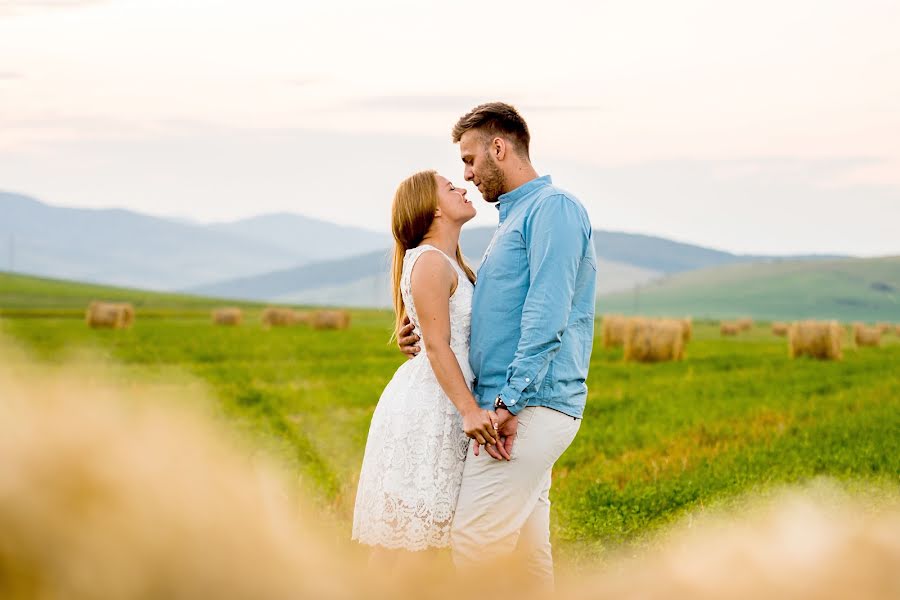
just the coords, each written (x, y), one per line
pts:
(507, 257)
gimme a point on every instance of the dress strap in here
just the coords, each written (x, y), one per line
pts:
(425, 247)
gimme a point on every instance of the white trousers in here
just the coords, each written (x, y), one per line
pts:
(504, 506)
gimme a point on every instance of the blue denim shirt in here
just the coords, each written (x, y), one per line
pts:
(533, 308)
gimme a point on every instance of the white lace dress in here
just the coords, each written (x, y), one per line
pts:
(413, 465)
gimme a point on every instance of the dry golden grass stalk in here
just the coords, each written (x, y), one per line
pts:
(227, 316)
(613, 330)
(796, 548)
(817, 339)
(330, 319)
(780, 329)
(111, 315)
(867, 336)
(109, 493)
(652, 340)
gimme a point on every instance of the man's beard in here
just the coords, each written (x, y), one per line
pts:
(493, 182)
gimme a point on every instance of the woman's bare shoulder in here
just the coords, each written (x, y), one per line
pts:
(432, 274)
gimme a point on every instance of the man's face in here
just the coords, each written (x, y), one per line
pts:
(481, 167)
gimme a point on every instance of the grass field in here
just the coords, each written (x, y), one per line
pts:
(657, 441)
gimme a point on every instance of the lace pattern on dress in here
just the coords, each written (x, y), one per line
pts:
(416, 449)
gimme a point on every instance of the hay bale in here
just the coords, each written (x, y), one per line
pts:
(127, 314)
(729, 328)
(274, 316)
(867, 336)
(330, 319)
(780, 329)
(817, 339)
(649, 340)
(745, 323)
(613, 330)
(687, 330)
(227, 316)
(897, 330)
(110, 315)
(883, 327)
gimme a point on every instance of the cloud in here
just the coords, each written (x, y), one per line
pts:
(421, 103)
(562, 108)
(307, 80)
(461, 104)
(18, 7)
(10, 75)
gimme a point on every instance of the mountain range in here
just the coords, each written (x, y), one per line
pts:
(126, 248)
(281, 257)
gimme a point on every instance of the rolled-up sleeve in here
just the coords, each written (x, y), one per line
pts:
(557, 236)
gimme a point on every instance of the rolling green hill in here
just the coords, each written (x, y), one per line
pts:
(846, 289)
(24, 294)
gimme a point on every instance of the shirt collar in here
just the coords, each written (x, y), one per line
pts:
(505, 202)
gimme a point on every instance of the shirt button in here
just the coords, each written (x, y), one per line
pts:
(527, 380)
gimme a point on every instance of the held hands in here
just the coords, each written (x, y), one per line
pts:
(481, 425)
(507, 427)
(406, 340)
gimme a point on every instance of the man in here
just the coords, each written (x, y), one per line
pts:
(531, 340)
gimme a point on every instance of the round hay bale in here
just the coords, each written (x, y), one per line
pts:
(127, 315)
(687, 330)
(867, 336)
(745, 324)
(230, 315)
(729, 328)
(780, 329)
(648, 340)
(817, 339)
(274, 316)
(330, 319)
(613, 330)
(109, 315)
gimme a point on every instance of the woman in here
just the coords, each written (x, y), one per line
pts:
(420, 430)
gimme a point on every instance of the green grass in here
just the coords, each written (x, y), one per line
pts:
(848, 290)
(24, 295)
(736, 416)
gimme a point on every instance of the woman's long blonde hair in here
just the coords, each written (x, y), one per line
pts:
(412, 214)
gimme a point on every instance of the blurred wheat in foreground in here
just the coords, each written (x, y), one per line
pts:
(107, 492)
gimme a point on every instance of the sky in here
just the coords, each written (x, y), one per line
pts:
(765, 127)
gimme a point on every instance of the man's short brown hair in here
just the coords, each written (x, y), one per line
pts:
(495, 119)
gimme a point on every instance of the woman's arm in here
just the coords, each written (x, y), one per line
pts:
(433, 282)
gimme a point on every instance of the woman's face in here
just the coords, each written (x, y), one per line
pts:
(452, 201)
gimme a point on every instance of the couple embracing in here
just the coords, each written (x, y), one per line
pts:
(464, 436)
